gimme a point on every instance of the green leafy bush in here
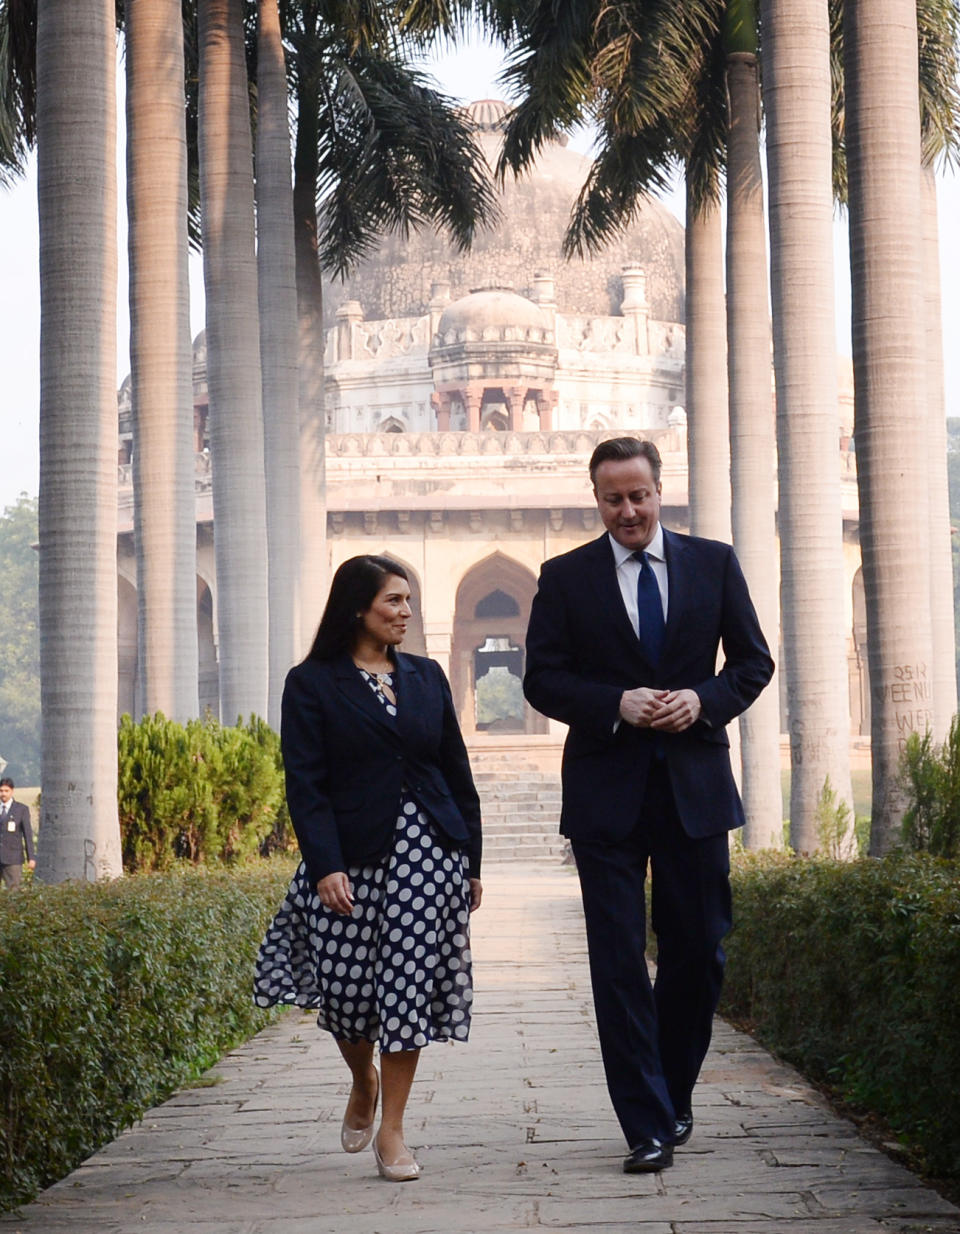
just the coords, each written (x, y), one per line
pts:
(930, 776)
(198, 792)
(849, 969)
(112, 995)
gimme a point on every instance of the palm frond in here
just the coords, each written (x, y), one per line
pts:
(550, 68)
(628, 169)
(18, 85)
(838, 103)
(394, 156)
(938, 26)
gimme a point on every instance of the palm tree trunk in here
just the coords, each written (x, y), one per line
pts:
(313, 524)
(708, 425)
(277, 280)
(233, 361)
(161, 360)
(796, 74)
(941, 554)
(77, 201)
(891, 424)
(752, 444)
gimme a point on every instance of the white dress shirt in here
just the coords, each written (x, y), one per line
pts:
(628, 571)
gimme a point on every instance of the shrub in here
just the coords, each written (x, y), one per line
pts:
(198, 792)
(930, 777)
(850, 971)
(113, 995)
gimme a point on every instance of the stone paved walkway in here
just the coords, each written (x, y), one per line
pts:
(514, 1131)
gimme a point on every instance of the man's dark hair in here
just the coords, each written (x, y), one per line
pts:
(619, 448)
(353, 590)
(6, 782)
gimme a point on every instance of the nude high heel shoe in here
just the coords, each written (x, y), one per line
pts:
(399, 1171)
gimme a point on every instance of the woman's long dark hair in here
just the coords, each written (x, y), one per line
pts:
(354, 588)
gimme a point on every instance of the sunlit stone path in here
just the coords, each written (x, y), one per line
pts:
(514, 1130)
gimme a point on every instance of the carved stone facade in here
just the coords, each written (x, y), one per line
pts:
(464, 396)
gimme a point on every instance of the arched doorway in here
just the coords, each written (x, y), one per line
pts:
(487, 660)
(208, 680)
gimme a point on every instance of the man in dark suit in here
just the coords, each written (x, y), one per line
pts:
(15, 833)
(622, 647)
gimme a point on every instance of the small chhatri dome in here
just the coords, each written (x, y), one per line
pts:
(493, 314)
(488, 115)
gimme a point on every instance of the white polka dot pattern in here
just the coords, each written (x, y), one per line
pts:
(397, 971)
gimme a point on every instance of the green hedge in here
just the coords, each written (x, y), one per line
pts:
(852, 971)
(112, 995)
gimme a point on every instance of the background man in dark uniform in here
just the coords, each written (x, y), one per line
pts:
(622, 646)
(16, 833)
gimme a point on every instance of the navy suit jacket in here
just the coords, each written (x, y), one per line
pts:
(582, 654)
(346, 762)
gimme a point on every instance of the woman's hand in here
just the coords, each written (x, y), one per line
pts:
(336, 893)
(476, 893)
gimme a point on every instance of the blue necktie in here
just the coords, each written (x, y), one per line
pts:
(649, 610)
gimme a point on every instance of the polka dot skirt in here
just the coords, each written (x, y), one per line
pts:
(397, 971)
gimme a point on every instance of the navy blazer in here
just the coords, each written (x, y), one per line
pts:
(346, 762)
(582, 653)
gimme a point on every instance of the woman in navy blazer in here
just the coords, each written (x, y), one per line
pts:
(374, 930)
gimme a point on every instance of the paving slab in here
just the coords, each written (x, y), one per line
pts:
(514, 1130)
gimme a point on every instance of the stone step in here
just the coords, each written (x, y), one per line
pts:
(534, 820)
(537, 810)
(506, 776)
(503, 798)
(549, 852)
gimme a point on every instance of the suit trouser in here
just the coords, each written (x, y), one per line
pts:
(12, 875)
(654, 1036)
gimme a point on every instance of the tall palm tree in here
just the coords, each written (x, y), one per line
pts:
(943, 635)
(752, 436)
(376, 150)
(233, 359)
(161, 359)
(889, 357)
(647, 75)
(77, 201)
(708, 425)
(938, 28)
(797, 103)
(277, 281)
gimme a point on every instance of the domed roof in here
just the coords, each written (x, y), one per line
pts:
(535, 211)
(492, 310)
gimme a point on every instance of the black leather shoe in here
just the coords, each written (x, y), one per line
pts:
(647, 1157)
(682, 1128)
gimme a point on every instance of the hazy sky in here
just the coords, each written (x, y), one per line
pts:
(467, 74)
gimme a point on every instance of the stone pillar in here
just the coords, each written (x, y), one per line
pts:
(515, 396)
(546, 405)
(440, 402)
(439, 640)
(634, 306)
(472, 398)
(542, 289)
(349, 314)
(439, 299)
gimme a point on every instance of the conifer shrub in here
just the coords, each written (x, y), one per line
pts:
(849, 970)
(199, 792)
(930, 777)
(113, 995)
